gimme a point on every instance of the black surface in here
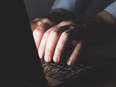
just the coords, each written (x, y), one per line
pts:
(19, 61)
(38, 8)
(103, 78)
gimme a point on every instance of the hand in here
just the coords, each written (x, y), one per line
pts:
(40, 25)
(55, 40)
(52, 40)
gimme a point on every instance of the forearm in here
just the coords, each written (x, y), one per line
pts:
(62, 10)
(59, 15)
(109, 13)
(107, 17)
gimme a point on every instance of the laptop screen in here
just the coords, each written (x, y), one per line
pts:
(20, 64)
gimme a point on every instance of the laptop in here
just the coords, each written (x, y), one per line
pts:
(20, 65)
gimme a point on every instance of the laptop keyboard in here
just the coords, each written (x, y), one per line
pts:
(61, 72)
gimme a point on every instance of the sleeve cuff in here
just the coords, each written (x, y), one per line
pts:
(64, 4)
(112, 9)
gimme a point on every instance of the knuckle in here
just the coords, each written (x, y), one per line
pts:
(36, 20)
(74, 55)
(39, 29)
(63, 23)
(65, 34)
(46, 20)
(35, 31)
(47, 23)
(47, 32)
(54, 32)
(43, 22)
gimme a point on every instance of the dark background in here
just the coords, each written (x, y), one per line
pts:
(38, 8)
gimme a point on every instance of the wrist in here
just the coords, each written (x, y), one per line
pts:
(59, 15)
(106, 17)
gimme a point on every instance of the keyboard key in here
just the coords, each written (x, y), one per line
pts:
(62, 72)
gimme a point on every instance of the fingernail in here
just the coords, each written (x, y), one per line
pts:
(70, 62)
(40, 55)
(47, 58)
(56, 58)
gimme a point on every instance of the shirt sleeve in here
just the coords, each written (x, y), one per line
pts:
(65, 4)
(111, 9)
(77, 7)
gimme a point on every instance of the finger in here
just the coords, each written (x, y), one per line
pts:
(43, 22)
(52, 41)
(33, 26)
(37, 34)
(75, 53)
(42, 46)
(34, 23)
(63, 42)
